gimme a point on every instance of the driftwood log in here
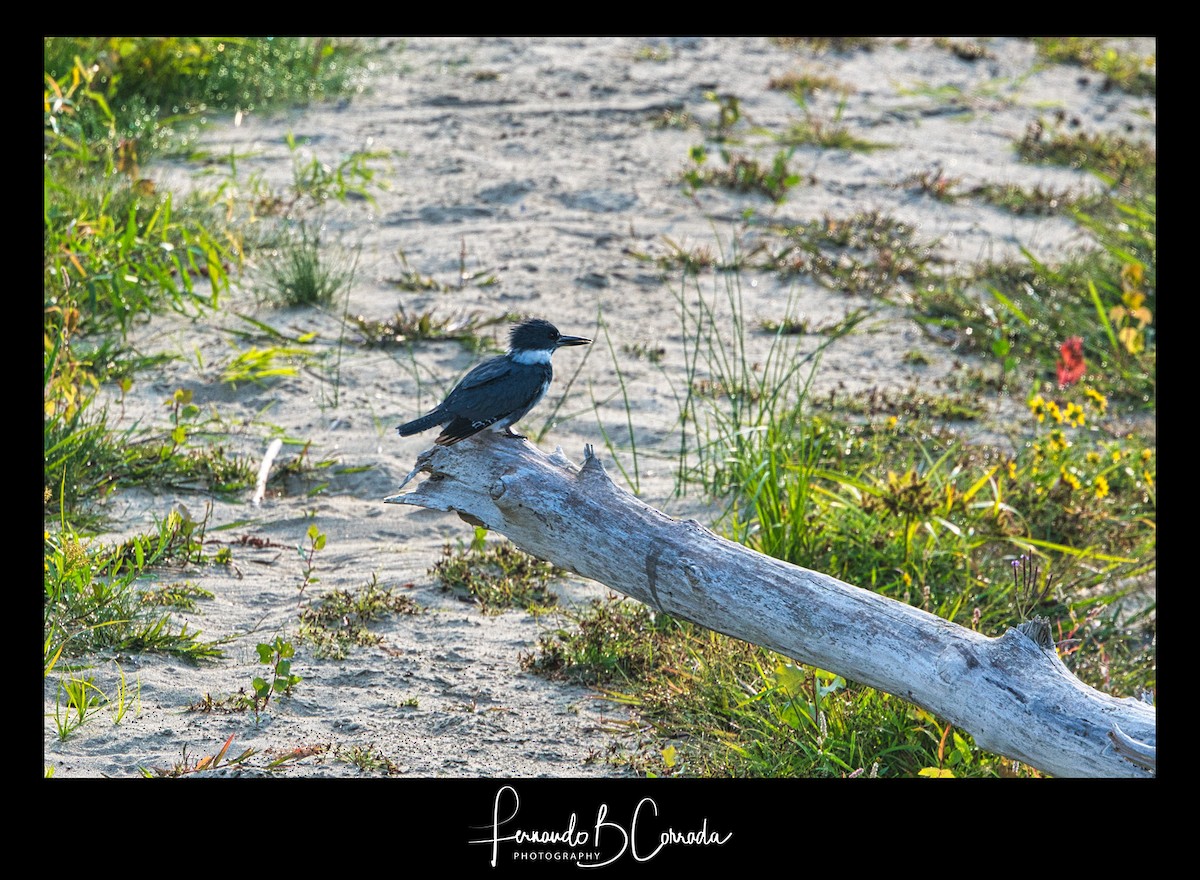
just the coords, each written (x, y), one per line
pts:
(1012, 694)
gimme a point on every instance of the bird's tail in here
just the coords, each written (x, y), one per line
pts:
(427, 421)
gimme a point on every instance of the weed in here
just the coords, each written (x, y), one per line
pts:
(828, 44)
(1125, 71)
(657, 52)
(186, 765)
(815, 131)
(1128, 163)
(341, 620)
(410, 279)
(934, 182)
(123, 700)
(91, 602)
(368, 759)
(633, 481)
(76, 700)
(301, 273)
(746, 711)
(1027, 593)
(261, 365)
(352, 177)
(496, 576)
(1102, 297)
(967, 50)
(866, 253)
(804, 85)
(742, 173)
(405, 329)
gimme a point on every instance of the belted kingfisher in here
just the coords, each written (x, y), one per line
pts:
(499, 391)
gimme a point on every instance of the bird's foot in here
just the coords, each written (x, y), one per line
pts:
(509, 433)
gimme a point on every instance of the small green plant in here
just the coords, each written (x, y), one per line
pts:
(302, 273)
(277, 657)
(368, 759)
(123, 700)
(342, 619)
(261, 365)
(316, 543)
(967, 50)
(828, 44)
(934, 182)
(405, 329)
(742, 173)
(804, 85)
(658, 52)
(816, 131)
(352, 177)
(91, 598)
(496, 576)
(76, 700)
(729, 113)
(865, 253)
(1130, 163)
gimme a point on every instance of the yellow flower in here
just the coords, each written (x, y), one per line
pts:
(1116, 455)
(1146, 453)
(1100, 484)
(1012, 470)
(892, 422)
(1058, 441)
(1069, 478)
(1149, 478)
(1037, 406)
(1092, 457)
(1055, 412)
(1074, 415)
(1097, 399)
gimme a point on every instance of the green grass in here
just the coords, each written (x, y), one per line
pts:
(741, 173)
(864, 253)
(303, 272)
(496, 576)
(880, 495)
(1022, 312)
(1131, 164)
(717, 706)
(94, 601)
(1122, 70)
(913, 514)
(118, 250)
(342, 619)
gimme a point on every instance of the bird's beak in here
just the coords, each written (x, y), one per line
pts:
(571, 340)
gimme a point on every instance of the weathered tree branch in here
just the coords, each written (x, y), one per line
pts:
(1015, 698)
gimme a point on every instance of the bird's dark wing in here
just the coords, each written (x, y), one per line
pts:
(484, 374)
(494, 390)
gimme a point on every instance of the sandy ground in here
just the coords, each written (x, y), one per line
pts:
(537, 162)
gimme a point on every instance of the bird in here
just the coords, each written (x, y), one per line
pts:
(501, 390)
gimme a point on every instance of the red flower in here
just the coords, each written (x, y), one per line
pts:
(1071, 364)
